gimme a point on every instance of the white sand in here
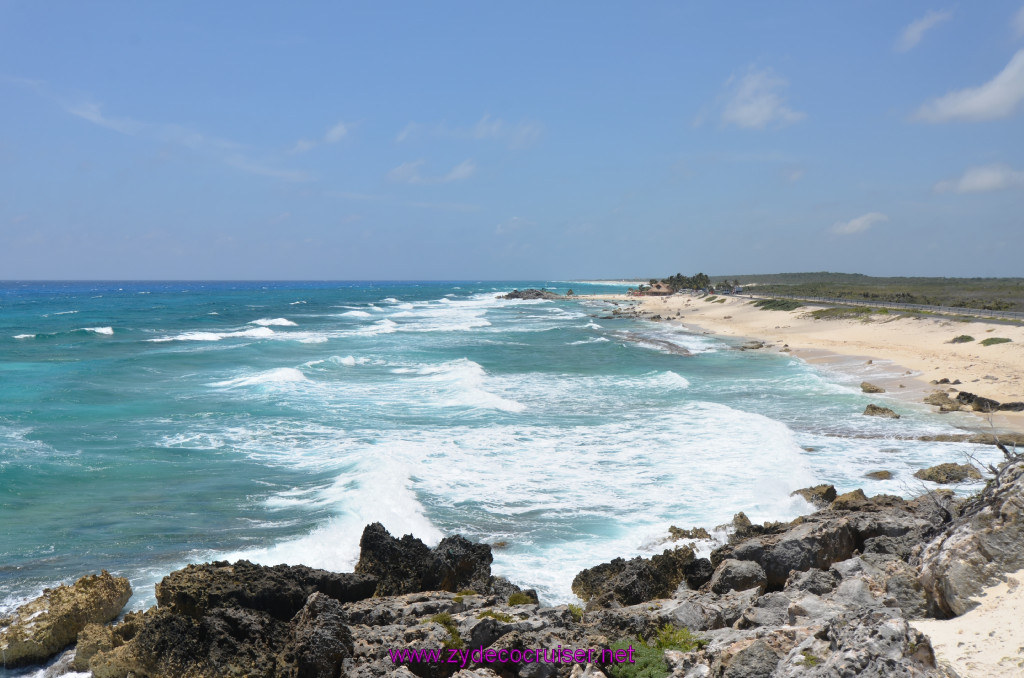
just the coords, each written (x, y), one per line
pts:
(919, 344)
(988, 640)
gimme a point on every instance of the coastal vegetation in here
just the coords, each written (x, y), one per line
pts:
(776, 304)
(994, 340)
(649, 655)
(962, 339)
(993, 294)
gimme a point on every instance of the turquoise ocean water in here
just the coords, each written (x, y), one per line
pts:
(147, 425)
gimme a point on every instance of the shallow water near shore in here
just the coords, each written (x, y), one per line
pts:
(147, 425)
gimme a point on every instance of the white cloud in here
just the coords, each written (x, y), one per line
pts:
(859, 224)
(997, 98)
(757, 100)
(334, 134)
(982, 179)
(913, 33)
(409, 173)
(515, 135)
(223, 150)
(1018, 23)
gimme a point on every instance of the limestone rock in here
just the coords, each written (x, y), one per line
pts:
(738, 575)
(819, 495)
(280, 590)
(873, 410)
(981, 545)
(948, 473)
(879, 475)
(629, 582)
(867, 387)
(43, 627)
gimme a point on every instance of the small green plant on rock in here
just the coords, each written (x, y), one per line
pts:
(500, 616)
(446, 620)
(962, 339)
(576, 611)
(809, 659)
(649, 655)
(994, 340)
(520, 598)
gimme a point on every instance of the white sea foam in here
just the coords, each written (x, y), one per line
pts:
(465, 381)
(273, 322)
(99, 330)
(389, 300)
(357, 498)
(280, 375)
(254, 333)
(356, 314)
(63, 312)
(24, 336)
(592, 340)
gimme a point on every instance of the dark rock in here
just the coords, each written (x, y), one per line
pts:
(43, 627)
(280, 591)
(1015, 406)
(948, 473)
(529, 294)
(877, 411)
(738, 575)
(629, 582)
(320, 639)
(819, 495)
(870, 388)
(879, 475)
(407, 565)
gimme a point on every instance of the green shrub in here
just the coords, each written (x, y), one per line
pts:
(520, 598)
(994, 340)
(467, 592)
(777, 304)
(500, 616)
(840, 312)
(445, 620)
(576, 611)
(809, 659)
(710, 297)
(962, 339)
(649, 655)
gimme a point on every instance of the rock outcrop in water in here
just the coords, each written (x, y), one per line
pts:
(529, 294)
(43, 627)
(828, 594)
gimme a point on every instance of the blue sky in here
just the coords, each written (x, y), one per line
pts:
(459, 140)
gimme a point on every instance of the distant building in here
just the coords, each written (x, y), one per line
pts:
(658, 290)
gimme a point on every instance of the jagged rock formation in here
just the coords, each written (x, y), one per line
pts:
(983, 544)
(868, 387)
(828, 594)
(45, 626)
(629, 582)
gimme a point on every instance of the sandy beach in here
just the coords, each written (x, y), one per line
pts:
(987, 640)
(907, 353)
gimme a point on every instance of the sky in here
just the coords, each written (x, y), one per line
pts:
(528, 140)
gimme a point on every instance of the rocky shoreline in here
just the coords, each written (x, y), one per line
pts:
(831, 593)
